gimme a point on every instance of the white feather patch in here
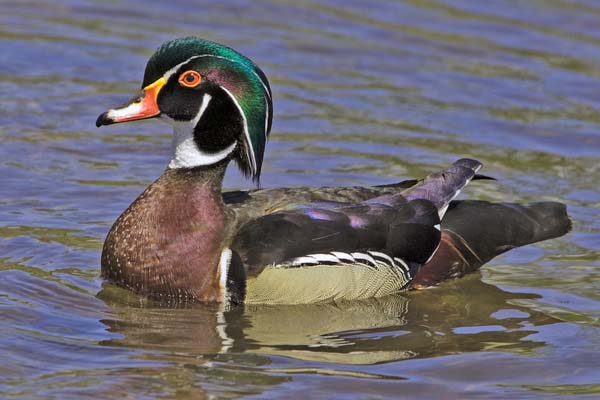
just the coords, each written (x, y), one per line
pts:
(326, 258)
(365, 257)
(305, 260)
(401, 262)
(224, 263)
(383, 256)
(343, 256)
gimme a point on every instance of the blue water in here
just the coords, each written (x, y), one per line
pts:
(364, 95)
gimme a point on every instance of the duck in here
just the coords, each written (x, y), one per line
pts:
(185, 239)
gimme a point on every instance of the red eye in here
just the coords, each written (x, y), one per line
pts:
(190, 79)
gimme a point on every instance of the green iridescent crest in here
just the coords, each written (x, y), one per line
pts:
(243, 81)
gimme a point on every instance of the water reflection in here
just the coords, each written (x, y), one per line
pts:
(463, 316)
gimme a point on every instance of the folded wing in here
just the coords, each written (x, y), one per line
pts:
(333, 250)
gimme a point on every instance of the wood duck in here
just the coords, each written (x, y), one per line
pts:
(183, 239)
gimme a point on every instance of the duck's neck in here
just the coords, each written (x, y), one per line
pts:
(168, 243)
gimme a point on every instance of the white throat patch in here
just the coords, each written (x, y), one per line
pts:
(185, 152)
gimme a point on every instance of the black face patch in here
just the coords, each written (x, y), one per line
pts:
(180, 103)
(221, 123)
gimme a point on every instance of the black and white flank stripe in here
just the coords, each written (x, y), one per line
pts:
(374, 260)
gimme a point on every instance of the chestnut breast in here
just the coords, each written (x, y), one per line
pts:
(169, 241)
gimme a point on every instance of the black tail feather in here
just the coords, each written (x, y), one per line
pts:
(474, 232)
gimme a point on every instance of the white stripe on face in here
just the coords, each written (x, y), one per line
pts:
(186, 153)
(249, 147)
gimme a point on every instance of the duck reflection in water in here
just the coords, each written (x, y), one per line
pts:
(461, 316)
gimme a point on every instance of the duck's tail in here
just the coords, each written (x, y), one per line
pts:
(474, 232)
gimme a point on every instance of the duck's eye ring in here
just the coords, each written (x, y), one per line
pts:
(190, 79)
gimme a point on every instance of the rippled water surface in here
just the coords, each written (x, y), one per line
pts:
(363, 95)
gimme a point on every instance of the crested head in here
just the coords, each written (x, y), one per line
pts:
(218, 101)
(240, 79)
(176, 51)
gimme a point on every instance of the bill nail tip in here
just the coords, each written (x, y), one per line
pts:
(102, 120)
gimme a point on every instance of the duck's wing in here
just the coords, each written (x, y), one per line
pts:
(474, 232)
(282, 237)
(335, 250)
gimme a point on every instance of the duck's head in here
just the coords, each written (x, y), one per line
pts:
(218, 101)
